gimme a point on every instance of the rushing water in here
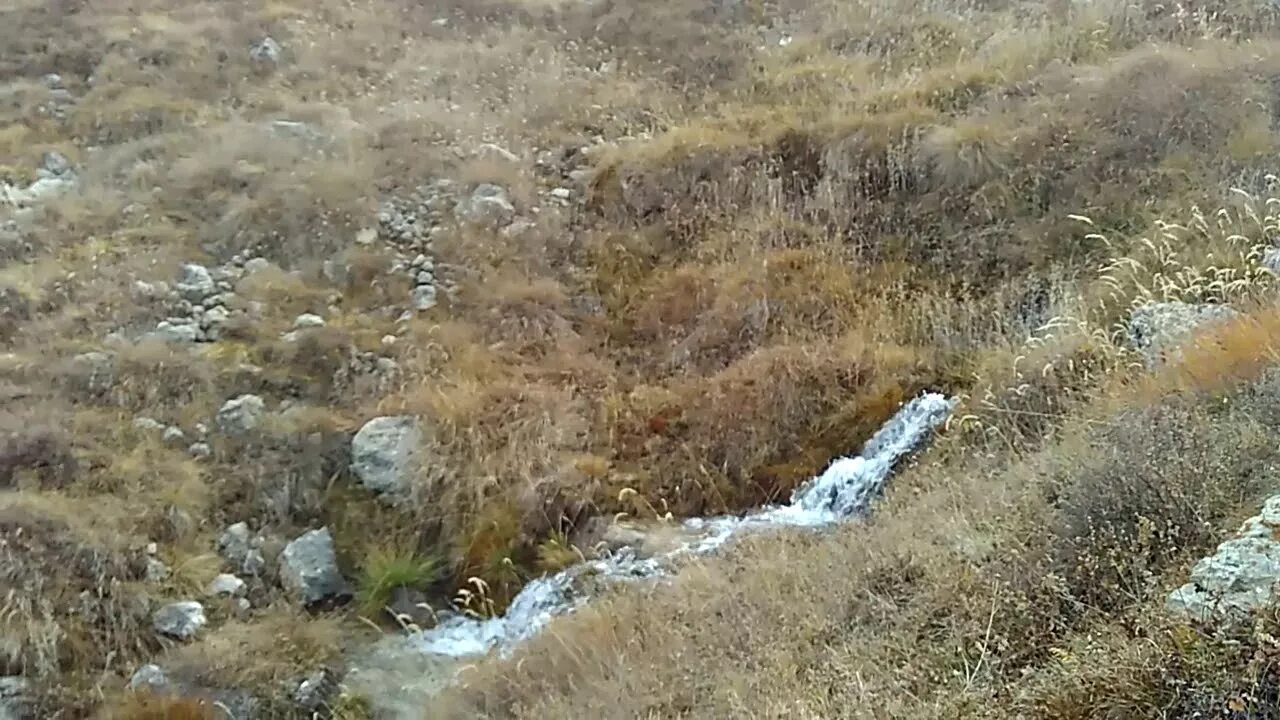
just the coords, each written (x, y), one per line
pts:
(843, 491)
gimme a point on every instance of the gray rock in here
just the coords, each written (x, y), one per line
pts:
(384, 453)
(195, 283)
(1240, 577)
(488, 205)
(1157, 330)
(174, 436)
(150, 290)
(226, 585)
(1271, 260)
(55, 164)
(307, 320)
(561, 194)
(181, 620)
(215, 316)
(234, 543)
(200, 450)
(315, 691)
(156, 570)
(426, 277)
(13, 698)
(97, 370)
(179, 334)
(309, 569)
(146, 424)
(240, 415)
(149, 677)
(53, 81)
(424, 297)
(254, 563)
(398, 678)
(266, 52)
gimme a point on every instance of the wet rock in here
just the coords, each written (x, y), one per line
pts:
(195, 283)
(240, 415)
(1242, 576)
(149, 677)
(266, 52)
(1158, 329)
(226, 585)
(309, 569)
(488, 205)
(181, 620)
(384, 453)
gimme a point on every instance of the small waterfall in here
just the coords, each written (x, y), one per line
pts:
(843, 491)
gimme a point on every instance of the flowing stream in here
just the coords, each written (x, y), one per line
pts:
(845, 490)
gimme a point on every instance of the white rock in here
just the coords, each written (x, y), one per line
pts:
(181, 620)
(384, 453)
(199, 450)
(146, 424)
(308, 320)
(240, 415)
(173, 435)
(309, 569)
(562, 193)
(226, 585)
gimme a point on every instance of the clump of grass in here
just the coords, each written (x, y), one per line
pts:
(150, 706)
(384, 569)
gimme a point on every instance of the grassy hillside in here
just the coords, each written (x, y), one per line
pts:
(739, 234)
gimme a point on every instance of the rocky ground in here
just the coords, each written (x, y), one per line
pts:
(322, 322)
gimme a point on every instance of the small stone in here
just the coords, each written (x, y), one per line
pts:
(234, 543)
(314, 691)
(200, 450)
(195, 283)
(424, 297)
(388, 340)
(201, 429)
(97, 371)
(215, 316)
(55, 163)
(181, 620)
(149, 677)
(426, 277)
(309, 569)
(562, 193)
(254, 563)
(156, 571)
(488, 205)
(240, 415)
(384, 453)
(53, 81)
(243, 605)
(175, 333)
(174, 436)
(366, 236)
(308, 320)
(265, 52)
(151, 548)
(146, 424)
(226, 585)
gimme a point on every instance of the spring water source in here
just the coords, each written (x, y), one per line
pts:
(843, 491)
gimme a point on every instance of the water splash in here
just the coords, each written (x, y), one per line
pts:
(845, 490)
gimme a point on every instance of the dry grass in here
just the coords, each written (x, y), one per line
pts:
(794, 215)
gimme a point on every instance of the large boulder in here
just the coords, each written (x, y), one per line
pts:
(1158, 329)
(1240, 577)
(309, 569)
(384, 453)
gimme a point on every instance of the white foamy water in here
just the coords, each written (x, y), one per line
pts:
(845, 490)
